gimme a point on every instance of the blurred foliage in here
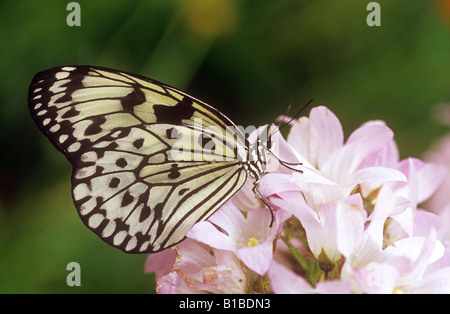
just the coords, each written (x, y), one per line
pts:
(250, 59)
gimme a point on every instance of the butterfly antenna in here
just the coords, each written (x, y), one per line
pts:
(290, 165)
(293, 118)
(287, 110)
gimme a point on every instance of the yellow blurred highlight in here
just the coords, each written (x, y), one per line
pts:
(443, 6)
(211, 18)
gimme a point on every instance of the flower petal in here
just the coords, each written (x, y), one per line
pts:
(373, 278)
(350, 219)
(376, 174)
(160, 263)
(317, 137)
(423, 179)
(285, 281)
(205, 232)
(258, 257)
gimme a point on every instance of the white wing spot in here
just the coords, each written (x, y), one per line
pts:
(89, 156)
(46, 121)
(55, 128)
(119, 237)
(37, 89)
(74, 147)
(61, 75)
(80, 191)
(88, 206)
(63, 138)
(144, 246)
(95, 220)
(102, 144)
(57, 87)
(131, 244)
(109, 229)
(37, 106)
(116, 134)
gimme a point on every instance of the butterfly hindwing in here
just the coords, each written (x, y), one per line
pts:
(140, 198)
(144, 169)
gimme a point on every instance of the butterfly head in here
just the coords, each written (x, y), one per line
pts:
(257, 157)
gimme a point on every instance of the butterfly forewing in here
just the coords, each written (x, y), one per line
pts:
(149, 161)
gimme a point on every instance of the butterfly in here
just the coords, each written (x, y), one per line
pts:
(149, 161)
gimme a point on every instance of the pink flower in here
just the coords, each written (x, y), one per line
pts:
(200, 269)
(410, 265)
(422, 181)
(348, 220)
(322, 227)
(285, 281)
(250, 237)
(332, 169)
(439, 153)
(160, 263)
(349, 192)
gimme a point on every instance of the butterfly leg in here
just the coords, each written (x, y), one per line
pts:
(264, 200)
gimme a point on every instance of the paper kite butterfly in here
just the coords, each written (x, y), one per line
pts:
(149, 161)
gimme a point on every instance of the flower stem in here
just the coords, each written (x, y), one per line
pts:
(310, 266)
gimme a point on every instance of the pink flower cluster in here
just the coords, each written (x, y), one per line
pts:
(351, 222)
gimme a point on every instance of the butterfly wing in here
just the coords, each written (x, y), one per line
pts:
(149, 161)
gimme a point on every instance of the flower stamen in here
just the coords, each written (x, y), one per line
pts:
(252, 242)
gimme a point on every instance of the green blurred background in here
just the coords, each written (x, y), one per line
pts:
(251, 59)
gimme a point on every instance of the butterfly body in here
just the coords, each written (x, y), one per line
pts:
(149, 161)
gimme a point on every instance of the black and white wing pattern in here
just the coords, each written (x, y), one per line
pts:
(149, 161)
